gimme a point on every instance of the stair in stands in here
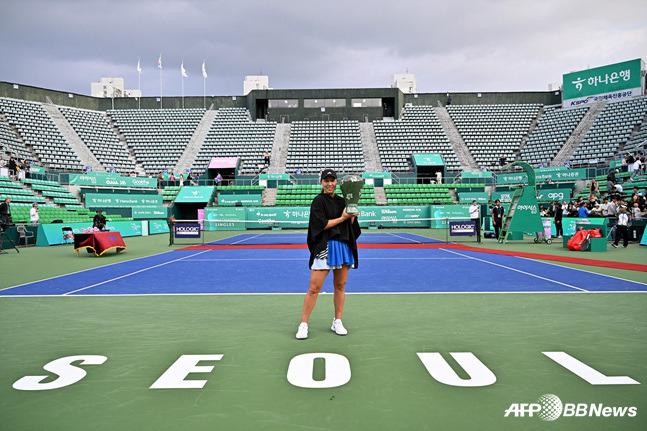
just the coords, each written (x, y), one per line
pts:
(578, 134)
(535, 121)
(279, 152)
(369, 147)
(467, 161)
(78, 146)
(269, 197)
(193, 147)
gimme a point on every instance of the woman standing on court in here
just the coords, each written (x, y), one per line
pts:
(332, 241)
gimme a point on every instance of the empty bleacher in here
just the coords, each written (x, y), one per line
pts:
(158, 137)
(10, 143)
(97, 134)
(303, 194)
(316, 145)
(553, 130)
(418, 194)
(611, 131)
(233, 134)
(419, 131)
(37, 129)
(492, 131)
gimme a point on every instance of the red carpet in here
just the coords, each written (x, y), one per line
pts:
(566, 259)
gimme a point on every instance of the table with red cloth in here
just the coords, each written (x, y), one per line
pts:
(98, 242)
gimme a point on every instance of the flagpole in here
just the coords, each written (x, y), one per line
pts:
(204, 84)
(161, 92)
(182, 76)
(139, 81)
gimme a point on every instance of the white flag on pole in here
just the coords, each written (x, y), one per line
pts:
(139, 69)
(159, 62)
(183, 71)
(204, 70)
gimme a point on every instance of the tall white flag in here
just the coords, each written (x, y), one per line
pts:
(159, 62)
(183, 71)
(204, 70)
(139, 69)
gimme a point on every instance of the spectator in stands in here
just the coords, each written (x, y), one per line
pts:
(218, 179)
(332, 241)
(266, 157)
(637, 168)
(13, 168)
(26, 167)
(133, 174)
(612, 208)
(572, 210)
(565, 208)
(5, 212)
(542, 211)
(99, 221)
(558, 214)
(611, 181)
(584, 210)
(629, 160)
(595, 187)
(622, 227)
(181, 180)
(497, 217)
(502, 162)
(33, 214)
(439, 177)
(548, 181)
(636, 213)
(172, 179)
(160, 180)
(449, 101)
(475, 216)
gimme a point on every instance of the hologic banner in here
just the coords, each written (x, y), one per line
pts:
(111, 180)
(612, 83)
(462, 228)
(122, 200)
(186, 230)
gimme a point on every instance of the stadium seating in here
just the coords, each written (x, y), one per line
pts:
(638, 142)
(37, 130)
(419, 131)
(97, 134)
(10, 143)
(553, 130)
(300, 195)
(316, 145)
(418, 194)
(15, 191)
(233, 134)
(158, 137)
(610, 131)
(492, 131)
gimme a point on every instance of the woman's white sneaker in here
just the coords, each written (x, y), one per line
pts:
(302, 332)
(338, 327)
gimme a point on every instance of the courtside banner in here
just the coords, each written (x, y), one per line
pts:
(187, 230)
(111, 180)
(462, 228)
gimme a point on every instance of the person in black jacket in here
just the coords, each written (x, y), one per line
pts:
(332, 241)
(99, 221)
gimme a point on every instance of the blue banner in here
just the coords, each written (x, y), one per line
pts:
(187, 230)
(462, 228)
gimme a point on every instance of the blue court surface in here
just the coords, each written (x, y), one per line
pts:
(285, 271)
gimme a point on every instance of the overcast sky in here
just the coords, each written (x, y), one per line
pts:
(448, 45)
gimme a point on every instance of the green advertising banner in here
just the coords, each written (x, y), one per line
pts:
(195, 194)
(156, 226)
(251, 199)
(441, 214)
(264, 217)
(122, 200)
(111, 180)
(476, 174)
(568, 224)
(468, 197)
(51, 234)
(150, 212)
(613, 82)
(274, 177)
(428, 160)
(550, 195)
(502, 196)
(376, 175)
(36, 169)
(542, 175)
(224, 218)
(394, 216)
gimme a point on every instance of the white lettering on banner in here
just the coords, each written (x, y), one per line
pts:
(173, 378)
(68, 373)
(337, 371)
(440, 370)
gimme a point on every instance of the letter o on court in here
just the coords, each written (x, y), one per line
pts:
(337, 370)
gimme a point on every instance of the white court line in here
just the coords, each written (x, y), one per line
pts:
(402, 237)
(517, 270)
(132, 273)
(246, 239)
(301, 259)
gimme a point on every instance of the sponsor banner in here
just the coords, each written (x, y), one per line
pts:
(195, 194)
(476, 174)
(245, 199)
(480, 197)
(225, 218)
(267, 217)
(274, 177)
(376, 175)
(503, 196)
(149, 212)
(111, 180)
(122, 200)
(462, 228)
(543, 175)
(223, 162)
(51, 234)
(157, 226)
(36, 169)
(442, 212)
(394, 216)
(186, 230)
(551, 195)
(612, 82)
(428, 160)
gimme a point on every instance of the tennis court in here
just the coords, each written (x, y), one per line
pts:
(412, 298)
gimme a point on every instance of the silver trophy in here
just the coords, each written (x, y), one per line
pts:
(351, 188)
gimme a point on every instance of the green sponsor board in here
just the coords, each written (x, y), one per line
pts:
(476, 174)
(526, 216)
(376, 175)
(394, 216)
(37, 169)
(195, 194)
(615, 163)
(542, 175)
(157, 226)
(122, 200)
(224, 218)
(480, 197)
(441, 214)
(550, 195)
(111, 180)
(428, 160)
(268, 217)
(502, 196)
(251, 199)
(568, 224)
(613, 82)
(150, 212)
(515, 178)
(51, 234)
(274, 177)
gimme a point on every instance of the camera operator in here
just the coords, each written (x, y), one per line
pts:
(5, 212)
